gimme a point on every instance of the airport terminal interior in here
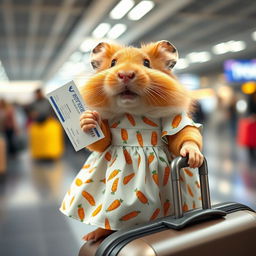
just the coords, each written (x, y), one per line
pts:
(45, 44)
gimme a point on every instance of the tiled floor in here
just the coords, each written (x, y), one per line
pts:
(30, 223)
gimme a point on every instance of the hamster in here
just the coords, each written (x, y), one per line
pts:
(135, 80)
(142, 110)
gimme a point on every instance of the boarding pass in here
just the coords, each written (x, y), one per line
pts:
(68, 105)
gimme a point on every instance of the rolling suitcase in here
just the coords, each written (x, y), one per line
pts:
(46, 140)
(222, 229)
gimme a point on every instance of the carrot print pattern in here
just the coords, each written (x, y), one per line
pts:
(72, 200)
(197, 184)
(154, 139)
(190, 191)
(78, 182)
(124, 135)
(164, 133)
(63, 206)
(166, 207)
(130, 215)
(131, 119)
(97, 210)
(139, 138)
(114, 205)
(107, 224)
(155, 214)
(166, 175)
(114, 125)
(88, 181)
(108, 156)
(139, 160)
(128, 178)
(86, 166)
(176, 121)
(155, 177)
(93, 169)
(194, 205)
(114, 186)
(185, 207)
(149, 122)
(80, 212)
(103, 180)
(127, 156)
(88, 197)
(113, 161)
(188, 172)
(181, 179)
(113, 174)
(151, 157)
(141, 196)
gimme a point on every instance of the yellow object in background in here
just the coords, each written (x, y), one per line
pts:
(2, 155)
(46, 140)
(249, 87)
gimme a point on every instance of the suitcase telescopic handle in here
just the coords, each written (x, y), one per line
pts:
(176, 165)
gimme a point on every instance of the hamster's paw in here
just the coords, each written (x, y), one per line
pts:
(89, 120)
(195, 157)
(97, 234)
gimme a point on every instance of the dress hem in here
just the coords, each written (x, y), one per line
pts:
(99, 225)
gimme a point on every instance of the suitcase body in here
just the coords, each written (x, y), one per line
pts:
(223, 229)
(46, 140)
(247, 132)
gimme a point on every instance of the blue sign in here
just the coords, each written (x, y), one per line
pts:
(240, 70)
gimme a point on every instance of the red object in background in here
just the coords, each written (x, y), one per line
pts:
(247, 132)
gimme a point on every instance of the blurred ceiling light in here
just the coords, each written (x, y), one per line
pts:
(230, 46)
(116, 31)
(101, 30)
(199, 57)
(88, 44)
(181, 64)
(220, 48)
(121, 9)
(236, 46)
(254, 35)
(140, 10)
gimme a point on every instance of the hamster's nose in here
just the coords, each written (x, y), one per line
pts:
(126, 76)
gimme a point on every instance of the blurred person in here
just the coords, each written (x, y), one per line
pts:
(40, 110)
(233, 116)
(252, 105)
(251, 110)
(9, 125)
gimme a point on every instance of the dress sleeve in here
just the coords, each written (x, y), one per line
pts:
(175, 123)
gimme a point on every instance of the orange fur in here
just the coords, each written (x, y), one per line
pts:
(188, 133)
(155, 86)
(102, 144)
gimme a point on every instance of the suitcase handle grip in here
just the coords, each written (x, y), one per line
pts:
(176, 165)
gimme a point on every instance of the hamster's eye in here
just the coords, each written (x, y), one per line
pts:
(113, 63)
(146, 63)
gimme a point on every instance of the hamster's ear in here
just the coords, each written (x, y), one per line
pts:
(170, 52)
(163, 51)
(101, 55)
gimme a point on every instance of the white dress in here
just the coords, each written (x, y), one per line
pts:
(129, 183)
